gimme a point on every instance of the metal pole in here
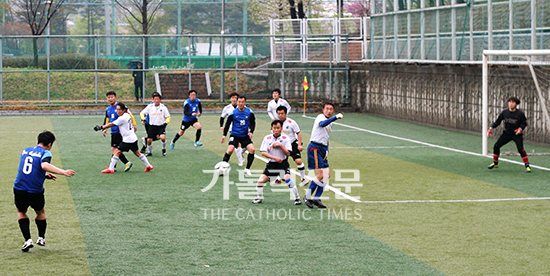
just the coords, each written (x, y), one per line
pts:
(484, 108)
(96, 51)
(189, 60)
(48, 59)
(490, 24)
(222, 53)
(1, 72)
(283, 68)
(453, 30)
(330, 67)
(143, 69)
(237, 67)
(534, 24)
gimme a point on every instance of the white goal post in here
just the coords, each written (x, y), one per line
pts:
(527, 56)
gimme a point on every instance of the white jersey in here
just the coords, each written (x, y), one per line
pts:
(126, 128)
(272, 107)
(157, 114)
(291, 129)
(267, 146)
(228, 110)
(319, 134)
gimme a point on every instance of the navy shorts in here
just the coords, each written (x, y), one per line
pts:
(24, 199)
(317, 156)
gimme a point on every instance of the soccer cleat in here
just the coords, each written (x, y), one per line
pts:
(297, 201)
(143, 149)
(304, 182)
(148, 168)
(308, 202)
(163, 152)
(527, 169)
(149, 154)
(41, 241)
(198, 144)
(27, 245)
(240, 164)
(107, 170)
(172, 145)
(493, 165)
(247, 172)
(257, 200)
(128, 166)
(318, 203)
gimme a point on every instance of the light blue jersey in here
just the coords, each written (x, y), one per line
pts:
(31, 176)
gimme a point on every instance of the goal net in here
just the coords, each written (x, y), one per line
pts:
(521, 73)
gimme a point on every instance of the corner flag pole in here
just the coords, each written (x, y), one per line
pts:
(306, 87)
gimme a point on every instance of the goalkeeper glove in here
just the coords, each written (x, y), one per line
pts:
(339, 116)
(98, 128)
(518, 131)
(490, 132)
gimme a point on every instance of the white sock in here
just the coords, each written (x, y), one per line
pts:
(114, 159)
(260, 190)
(150, 148)
(163, 145)
(239, 152)
(292, 187)
(145, 161)
(302, 170)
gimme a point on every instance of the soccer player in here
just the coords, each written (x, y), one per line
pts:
(129, 138)
(227, 110)
(28, 188)
(276, 102)
(116, 138)
(292, 130)
(242, 123)
(317, 152)
(159, 118)
(276, 147)
(514, 124)
(192, 109)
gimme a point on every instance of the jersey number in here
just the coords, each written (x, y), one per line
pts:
(27, 166)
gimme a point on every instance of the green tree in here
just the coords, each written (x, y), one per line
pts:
(38, 15)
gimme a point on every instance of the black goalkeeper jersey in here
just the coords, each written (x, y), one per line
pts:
(512, 120)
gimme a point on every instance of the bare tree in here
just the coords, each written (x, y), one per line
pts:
(140, 14)
(38, 14)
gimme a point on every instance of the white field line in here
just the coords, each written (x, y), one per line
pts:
(458, 200)
(431, 145)
(382, 147)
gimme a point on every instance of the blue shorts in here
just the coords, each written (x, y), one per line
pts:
(317, 156)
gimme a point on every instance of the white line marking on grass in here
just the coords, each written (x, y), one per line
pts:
(381, 147)
(328, 187)
(458, 200)
(431, 145)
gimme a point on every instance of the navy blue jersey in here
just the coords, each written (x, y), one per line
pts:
(111, 116)
(31, 176)
(190, 107)
(241, 122)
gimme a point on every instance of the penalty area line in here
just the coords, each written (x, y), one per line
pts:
(457, 200)
(430, 145)
(327, 186)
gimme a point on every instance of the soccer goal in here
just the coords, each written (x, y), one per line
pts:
(523, 73)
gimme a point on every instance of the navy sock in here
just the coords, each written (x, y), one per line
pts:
(41, 225)
(24, 226)
(319, 192)
(226, 157)
(176, 138)
(198, 135)
(249, 160)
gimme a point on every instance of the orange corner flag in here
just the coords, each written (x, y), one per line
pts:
(305, 84)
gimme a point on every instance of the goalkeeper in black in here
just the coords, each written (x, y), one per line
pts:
(514, 124)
